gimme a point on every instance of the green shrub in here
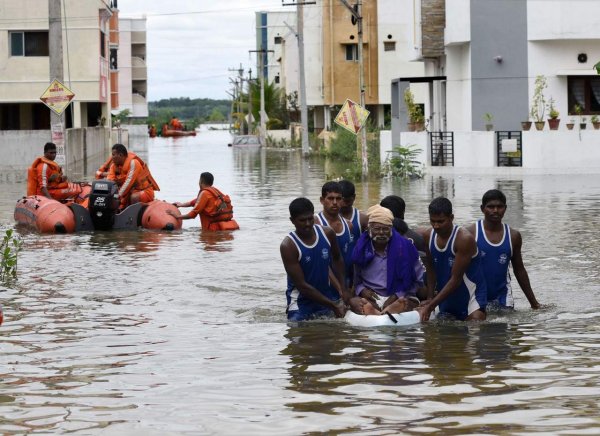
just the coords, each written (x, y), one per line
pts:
(402, 162)
(10, 247)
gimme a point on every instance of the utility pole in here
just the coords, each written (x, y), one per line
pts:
(302, 79)
(250, 116)
(356, 12)
(263, 114)
(55, 52)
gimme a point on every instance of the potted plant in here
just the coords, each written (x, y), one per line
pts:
(526, 125)
(538, 103)
(488, 117)
(571, 124)
(416, 119)
(595, 122)
(579, 112)
(553, 113)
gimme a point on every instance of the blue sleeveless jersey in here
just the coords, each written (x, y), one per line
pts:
(355, 220)
(471, 293)
(495, 259)
(314, 261)
(346, 242)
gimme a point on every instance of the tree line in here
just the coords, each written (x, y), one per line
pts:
(191, 111)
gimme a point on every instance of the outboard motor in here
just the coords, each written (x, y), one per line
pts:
(103, 204)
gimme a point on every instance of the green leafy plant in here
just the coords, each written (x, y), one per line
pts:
(415, 113)
(552, 111)
(577, 109)
(594, 119)
(488, 117)
(10, 247)
(402, 162)
(538, 103)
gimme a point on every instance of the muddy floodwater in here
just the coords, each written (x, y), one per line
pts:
(155, 333)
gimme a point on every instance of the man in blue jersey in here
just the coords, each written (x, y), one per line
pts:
(308, 254)
(358, 219)
(453, 267)
(331, 199)
(500, 245)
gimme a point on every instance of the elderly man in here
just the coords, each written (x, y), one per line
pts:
(386, 265)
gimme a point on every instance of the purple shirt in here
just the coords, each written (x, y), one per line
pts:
(374, 276)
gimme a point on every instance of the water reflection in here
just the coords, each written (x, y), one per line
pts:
(217, 241)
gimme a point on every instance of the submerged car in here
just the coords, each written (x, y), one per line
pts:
(246, 141)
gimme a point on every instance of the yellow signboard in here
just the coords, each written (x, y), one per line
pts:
(57, 97)
(352, 116)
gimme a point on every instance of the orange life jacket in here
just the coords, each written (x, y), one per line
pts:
(103, 169)
(143, 181)
(219, 206)
(33, 187)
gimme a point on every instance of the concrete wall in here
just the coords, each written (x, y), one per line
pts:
(392, 20)
(544, 152)
(458, 22)
(499, 30)
(85, 147)
(578, 19)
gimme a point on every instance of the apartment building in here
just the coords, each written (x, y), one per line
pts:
(331, 55)
(129, 71)
(494, 49)
(24, 63)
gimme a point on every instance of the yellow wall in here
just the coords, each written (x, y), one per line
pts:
(341, 76)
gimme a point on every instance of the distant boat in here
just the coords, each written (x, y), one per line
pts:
(246, 141)
(169, 133)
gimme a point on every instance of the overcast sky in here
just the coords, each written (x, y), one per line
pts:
(192, 44)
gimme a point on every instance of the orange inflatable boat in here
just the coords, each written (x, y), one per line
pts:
(99, 212)
(45, 215)
(155, 216)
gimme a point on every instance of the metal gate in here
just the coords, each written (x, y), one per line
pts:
(442, 149)
(509, 158)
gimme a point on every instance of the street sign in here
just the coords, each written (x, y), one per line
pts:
(57, 97)
(352, 116)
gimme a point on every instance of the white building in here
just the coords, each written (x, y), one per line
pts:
(132, 78)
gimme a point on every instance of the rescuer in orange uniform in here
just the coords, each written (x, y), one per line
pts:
(176, 124)
(214, 207)
(132, 176)
(45, 177)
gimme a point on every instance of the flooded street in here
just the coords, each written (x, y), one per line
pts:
(185, 333)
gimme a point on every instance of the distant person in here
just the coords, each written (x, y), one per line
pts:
(214, 207)
(132, 176)
(386, 264)
(175, 124)
(358, 219)
(308, 254)
(45, 177)
(454, 268)
(152, 131)
(331, 200)
(500, 245)
(397, 205)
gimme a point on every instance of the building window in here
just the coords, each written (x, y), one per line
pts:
(351, 52)
(278, 40)
(389, 45)
(277, 78)
(102, 44)
(584, 91)
(29, 43)
(113, 59)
